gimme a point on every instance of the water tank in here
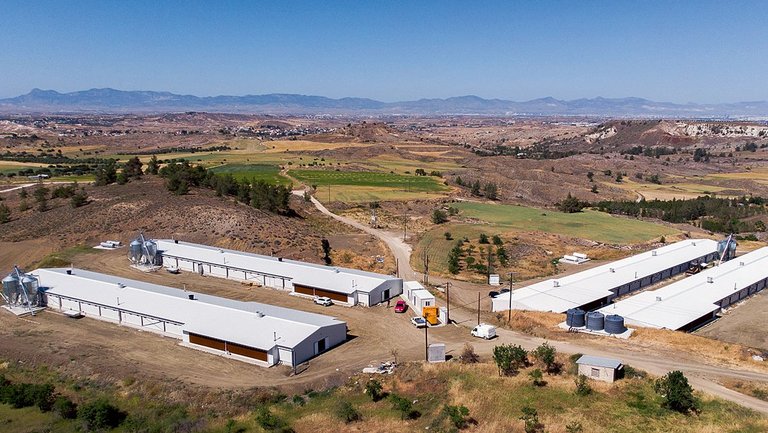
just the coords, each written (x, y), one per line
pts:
(31, 284)
(595, 321)
(151, 249)
(614, 324)
(134, 250)
(575, 317)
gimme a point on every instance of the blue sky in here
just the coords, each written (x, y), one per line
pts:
(668, 51)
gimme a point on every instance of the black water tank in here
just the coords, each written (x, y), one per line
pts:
(614, 324)
(595, 321)
(575, 317)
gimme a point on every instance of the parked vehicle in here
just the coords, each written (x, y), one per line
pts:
(324, 301)
(493, 294)
(504, 291)
(401, 306)
(419, 322)
(484, 330)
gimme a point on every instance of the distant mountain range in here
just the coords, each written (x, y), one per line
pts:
(119, 101)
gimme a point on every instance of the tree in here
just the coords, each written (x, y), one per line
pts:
(5, 213)
(439, 216)
(132, 167)
(475, 189)
(347, 413)
(497, 240)
(447, 236)
(676, 392)
(326, 251)
(122, 178)
(79, 199)
(65, 408)
(491, 191)
(594, 189)
(590, 176)
(404, 406)
(459, 181)
(546, 354)
(619, 177)
(531, 419)
(106, 173)
(571, 204)
(509, 358)
(457, 414)
(374, 389)
(153, 166)
(483, 238)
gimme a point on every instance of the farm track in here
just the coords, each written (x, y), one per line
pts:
(702, 376)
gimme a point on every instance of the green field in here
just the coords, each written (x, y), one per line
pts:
(263, 172)
(597, 226)
(357, 186)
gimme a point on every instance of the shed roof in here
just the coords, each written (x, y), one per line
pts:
(678, 304)
(571, 291)
(598, 361)
(342, 280)
(251, 323)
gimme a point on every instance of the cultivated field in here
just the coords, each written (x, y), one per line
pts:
(257, 172)
(358, 186)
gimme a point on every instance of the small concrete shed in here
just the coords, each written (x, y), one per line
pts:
(605, 369)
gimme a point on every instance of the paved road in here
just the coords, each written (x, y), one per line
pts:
(702, 376)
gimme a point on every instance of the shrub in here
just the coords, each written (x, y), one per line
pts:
(537, 377)
(497, 240)
(509, 358)
(65, 408)
(631, 372)
(271, 422)
(468, 355)
(546, 355)
(298, 400)
(5, 213)
(439, 216)
(483, 238)
(374, 389)
(574, 427)
(100, 415)
(676, 392)
(404, 406)
(531, 419)
(347, 413)
(22, 395)
(582, 385)
(457, 414)
(79, 199)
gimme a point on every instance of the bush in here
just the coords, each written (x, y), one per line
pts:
(374, 389)
(79, 199)
(439, 217)
(582, 385)
(271, 422)
(468, 355)
(5, 213)
(676, 392)
(100, 415)
(347, 413)
(631, 373)
(537, 377)
(298, 400)
(448, 236)
(509, 358)
(65, 408)
(483, 238)
(404, 406)
(546, 354)
(22, 395)
(457, 414)
(531, 419)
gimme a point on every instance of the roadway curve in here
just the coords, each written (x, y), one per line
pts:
(701, 376)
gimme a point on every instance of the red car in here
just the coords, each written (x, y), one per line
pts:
(401, 306)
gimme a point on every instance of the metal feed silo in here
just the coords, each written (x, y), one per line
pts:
(150, 249)
(11, 289)
(595, 321)
(575, 317)
(135, 251)
(614, 324)
(32, 285)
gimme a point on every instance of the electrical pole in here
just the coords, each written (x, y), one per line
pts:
(478, 308)
(510, 297)
(405, 225)
(448, 302)
(426, 343)
(329, 193)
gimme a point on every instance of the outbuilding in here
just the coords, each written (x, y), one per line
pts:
(342, 285)
(597, 368)
(248, 331)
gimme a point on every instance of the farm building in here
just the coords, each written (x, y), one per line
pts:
(597, 368)
(348, 286)
(249, 331)
(596, 287)
(689, 303)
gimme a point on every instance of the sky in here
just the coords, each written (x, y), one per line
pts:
(673, 51)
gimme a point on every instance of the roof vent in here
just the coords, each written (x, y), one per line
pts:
(69, 271)
(121, 285)
(653, 253)
(741, 263)
(658, 299)
(612, 270)
(336, 270)
(279, 259)
(259, 314)
(556, 283)
(693, 243)
(710, 280)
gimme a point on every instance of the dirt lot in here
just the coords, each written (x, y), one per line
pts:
(746, 323)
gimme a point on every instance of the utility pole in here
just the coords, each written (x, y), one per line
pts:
(448, 301)
(510, 298)
(405, 225)
(426, 343)
(329, 193)
(478, 308)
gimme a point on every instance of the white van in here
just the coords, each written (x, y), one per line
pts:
(484, 330)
